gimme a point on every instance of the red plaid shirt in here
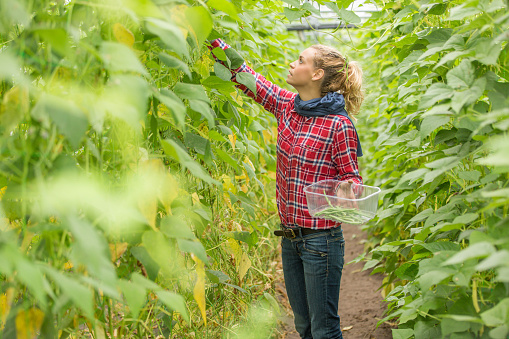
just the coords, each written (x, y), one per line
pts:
(309, 149)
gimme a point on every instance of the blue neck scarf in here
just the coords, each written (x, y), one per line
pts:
(333, 103)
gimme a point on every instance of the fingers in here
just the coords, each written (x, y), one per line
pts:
(345, 191)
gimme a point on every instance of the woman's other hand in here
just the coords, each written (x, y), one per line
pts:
(345, 191)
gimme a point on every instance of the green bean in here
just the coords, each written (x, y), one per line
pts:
(343, 214)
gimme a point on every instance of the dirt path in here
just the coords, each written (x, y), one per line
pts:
(360, 304)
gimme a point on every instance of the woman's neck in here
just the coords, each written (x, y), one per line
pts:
(309, 94)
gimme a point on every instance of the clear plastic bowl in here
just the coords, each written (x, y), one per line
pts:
(324, 202)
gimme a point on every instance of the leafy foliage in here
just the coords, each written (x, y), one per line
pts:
(133, 175)
(438, 80)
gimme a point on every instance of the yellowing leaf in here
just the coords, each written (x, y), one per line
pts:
(15, 105)
(148, 208)
(2, 192)
(169, 191)
(248, 161)
(234, 248)
(267, 136)
(178, 16)
(5, 306)
(227, 184)
(27, 240)
(242, 261)
(233, 139)
(196, 198)
(123, 35)
(243, 265)
(199, 287)
(226, 198)
(68, 265)
(238, 98)
(28, 323)
(117, 250)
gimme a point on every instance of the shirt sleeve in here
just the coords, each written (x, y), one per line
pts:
(344, 152)
(272, 97)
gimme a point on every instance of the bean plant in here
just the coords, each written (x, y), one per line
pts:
(435, 128)
(137, 184)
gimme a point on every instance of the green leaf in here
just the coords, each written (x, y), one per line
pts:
(470, 175)
(135, 296)
(204, 109)
(225, 6)
(498, 315)
(217, 276)
(196, 142)
(293, 13)
(175, 105)
(438, 36)
(172, 149)
(407, 271)
(349, 16)
(31, 276)
(294, 3)
(225, 87)
(221, 55)
(173, 62)
(222, 72)
(201, 22)
(56, 38)
(443, 162)
(227, 158)
(432, 278)
(69, 118)
(235, 58)
(174, 227)
(80, 295)
(161, 251)
(247, 79)
(487, 52)
(431, 123)
(462, 11)
(497, 259)
(403, 333)
(190, 92)
(91, 250)
(440, 246)
(499, 156)
(193, 246)
(449, 325)
(9, 66)
(477, 250)
(141, 254)
(170, 34)
(436, 92)
(175, 302)
(118, 57)
(462, 76)
(466, 218)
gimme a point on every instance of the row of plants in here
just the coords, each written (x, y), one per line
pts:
(435, 128)
(137, 184)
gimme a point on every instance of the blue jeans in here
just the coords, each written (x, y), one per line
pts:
(312, 266)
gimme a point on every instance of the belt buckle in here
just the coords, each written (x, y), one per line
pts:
(293, 233)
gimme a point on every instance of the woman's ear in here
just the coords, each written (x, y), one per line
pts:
(318, 75)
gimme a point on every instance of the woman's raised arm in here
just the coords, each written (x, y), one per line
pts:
(272, 97)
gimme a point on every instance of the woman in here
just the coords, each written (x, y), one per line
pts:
(316, 141)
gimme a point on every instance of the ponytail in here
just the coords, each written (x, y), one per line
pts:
(340, 76)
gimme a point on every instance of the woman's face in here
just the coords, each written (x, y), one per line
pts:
(302, 70)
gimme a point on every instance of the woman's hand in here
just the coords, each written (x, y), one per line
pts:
(345, 191)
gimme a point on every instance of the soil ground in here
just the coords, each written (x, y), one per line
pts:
(360, 304)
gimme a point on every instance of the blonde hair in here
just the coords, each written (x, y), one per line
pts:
(340, 76)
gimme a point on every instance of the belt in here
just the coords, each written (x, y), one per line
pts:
(291, 233)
